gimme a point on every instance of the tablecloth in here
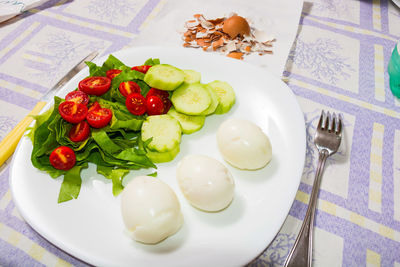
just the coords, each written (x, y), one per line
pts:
(338, 63)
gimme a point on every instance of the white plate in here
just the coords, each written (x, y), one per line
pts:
(91, 228)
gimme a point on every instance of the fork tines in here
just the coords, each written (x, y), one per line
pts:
(331, 123)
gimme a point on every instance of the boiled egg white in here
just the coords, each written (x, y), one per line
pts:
(150, 210)
(205, 182)
(243, 144)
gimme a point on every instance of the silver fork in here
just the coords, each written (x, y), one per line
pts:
(327, 140)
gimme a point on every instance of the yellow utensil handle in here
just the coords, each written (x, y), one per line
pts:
(10, 142)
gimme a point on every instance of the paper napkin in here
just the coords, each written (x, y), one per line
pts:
(11, 8)
(279, 19)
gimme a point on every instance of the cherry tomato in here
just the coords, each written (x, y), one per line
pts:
(136, 104)
(142, 69)
(94, 106)
(127, 88)
(154, 105)
(78, 97)
(62, 158)
(112, 73)
(98, 118)
(160, 93)
(79, 132)
(167, 105)
(96, 85)
(72, 112)
(164, 95)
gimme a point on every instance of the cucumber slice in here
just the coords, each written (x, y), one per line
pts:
(192, 76)
(214, 102)
(159, 157)
(164, 77)
(226, 96)
(191, 99)
(165, 131)
(189, 123)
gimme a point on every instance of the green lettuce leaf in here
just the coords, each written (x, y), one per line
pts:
(115, 175)
(44, 142)
(104, 142)
(124, 76)
(152, 61)
(122, 118)
(71, 184)
(111, 63)
(154, 174)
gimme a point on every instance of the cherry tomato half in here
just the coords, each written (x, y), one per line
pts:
(79, 132)
(62, 158)
(112, 73)
(164, 95)
(78, 97)
(72, 112)
(129, 87)
(154, 105)
(96, 85)
(136, 104)
(142, 69)
(98, 118)
(94, 106)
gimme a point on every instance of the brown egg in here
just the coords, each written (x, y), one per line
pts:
(236, 25)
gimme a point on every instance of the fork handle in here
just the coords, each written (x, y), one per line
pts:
(301, 253)
(10, 142)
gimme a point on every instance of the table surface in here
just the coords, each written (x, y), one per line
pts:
(338, 63)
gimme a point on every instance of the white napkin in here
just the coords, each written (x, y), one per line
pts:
(11, 8)
(279, 19)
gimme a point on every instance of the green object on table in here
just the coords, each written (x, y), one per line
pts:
(394, 71)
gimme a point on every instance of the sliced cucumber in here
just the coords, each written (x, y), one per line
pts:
(165, 131)
(159, 157)
(214, 102)
(189, 123)
(191, 99)
(226, 96)
(192, 76)
(164, 77)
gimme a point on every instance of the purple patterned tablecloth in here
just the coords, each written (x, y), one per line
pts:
(338, 63)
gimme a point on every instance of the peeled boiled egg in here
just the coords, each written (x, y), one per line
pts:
(243, 144)
(150, 210)
(236, 25)
(205, 182)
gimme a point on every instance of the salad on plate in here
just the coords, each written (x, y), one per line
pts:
(123, 118)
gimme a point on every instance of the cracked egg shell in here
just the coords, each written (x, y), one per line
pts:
(236, 25)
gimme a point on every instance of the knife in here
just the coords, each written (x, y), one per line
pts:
(10, 142)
